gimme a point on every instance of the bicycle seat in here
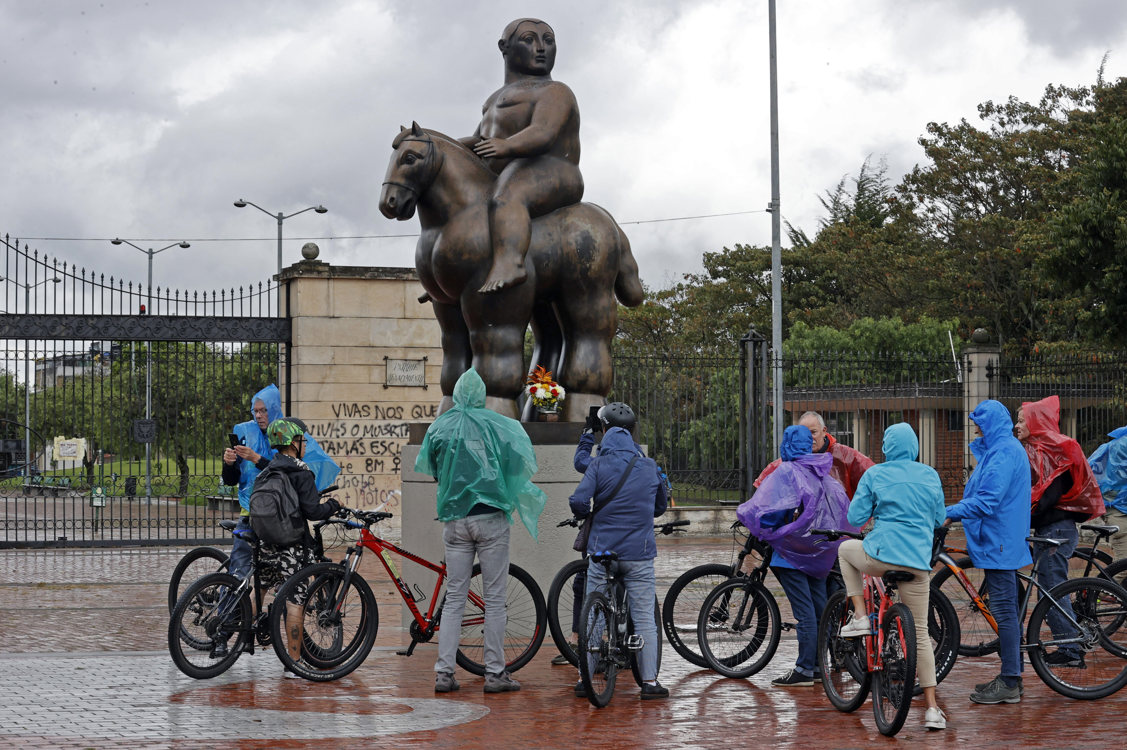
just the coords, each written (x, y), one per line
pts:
(604, 557)
(228, 525)
(1045, 541)
(898, 576)
(1100, 529)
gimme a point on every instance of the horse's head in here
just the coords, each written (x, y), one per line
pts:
(414, 163)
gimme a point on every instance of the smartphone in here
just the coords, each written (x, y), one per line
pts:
(233, 439)
(593, 419)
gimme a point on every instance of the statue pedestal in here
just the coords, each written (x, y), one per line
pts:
(554, 443)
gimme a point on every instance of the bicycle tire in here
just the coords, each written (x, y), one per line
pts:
(1097, 606)
(892, 683)
(561, 603)
(1116, 572)
(525, 623)
(845, 676)
(194, 565)
(200, 616)
(339, 629)
(598, 658)
(943, 628)
(635, 668)
(976, 636)
(738, 628)
(681, 609)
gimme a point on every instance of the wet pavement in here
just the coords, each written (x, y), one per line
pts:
(85, 665)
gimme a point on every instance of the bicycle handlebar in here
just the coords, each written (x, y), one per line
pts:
(835, 534)
(665, 528)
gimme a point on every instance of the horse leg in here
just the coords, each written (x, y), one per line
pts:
(548, 344)
(455, 349)
(496, 324)
(589, 322)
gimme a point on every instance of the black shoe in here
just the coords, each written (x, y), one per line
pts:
(1065, 659)
(580, 691)
(983, 685)
(996, 691)
(793, 678)
(218, 650)
(654, 692)
(559, 660)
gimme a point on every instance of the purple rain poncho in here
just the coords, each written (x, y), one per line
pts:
(798, 496)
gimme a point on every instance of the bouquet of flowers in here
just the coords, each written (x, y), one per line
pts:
(546, 394)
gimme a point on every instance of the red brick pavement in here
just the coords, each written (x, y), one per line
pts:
(85, 666)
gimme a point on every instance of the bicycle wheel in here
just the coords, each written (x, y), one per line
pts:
(976, 636)
(562, 606)
(892, 683)
(339, 622)
(193, 566)
(1117, 572)
(682, 605)
(738, 628)
(598, 664)
(635, 668)
(1098, 664)
(209, 613)
(845, 675)
(943, 627)
(525, 624)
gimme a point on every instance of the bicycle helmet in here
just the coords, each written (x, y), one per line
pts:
(617, 414)
(282, 432)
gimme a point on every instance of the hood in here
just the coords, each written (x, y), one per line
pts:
(900, 443)
(617, 439)
(1042, 417)
(993, 418)
(271, 397)
(469, 391)
(797, 441)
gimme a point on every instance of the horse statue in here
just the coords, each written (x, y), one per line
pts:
(578, 262)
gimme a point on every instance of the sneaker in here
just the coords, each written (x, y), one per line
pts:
(934, 718)
(444, 682)
(654, 691)
(290, 675)
(983, 685)
(855, 628)
(580, 691)
(218, 650)
(1065, 659)
(500, 683)
(559, 660)
(793, 678)
(996, 692)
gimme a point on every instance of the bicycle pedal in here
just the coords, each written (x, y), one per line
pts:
(789, 625)
(635, 642)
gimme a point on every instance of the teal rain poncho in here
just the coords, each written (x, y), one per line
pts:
(479, 456)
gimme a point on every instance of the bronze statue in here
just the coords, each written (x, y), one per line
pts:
(505, 242)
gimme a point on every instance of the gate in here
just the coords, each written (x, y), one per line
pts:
(115, 402)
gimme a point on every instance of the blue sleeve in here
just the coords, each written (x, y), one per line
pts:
(987, 494)
(583, 456)
(580, 500)
(661, 499)
(861, 507)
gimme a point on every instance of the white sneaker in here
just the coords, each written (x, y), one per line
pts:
(290, 675)
(856, 628)
(934, 718)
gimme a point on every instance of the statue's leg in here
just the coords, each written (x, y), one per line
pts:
(497, 323)
(456, 355)
(590, 320)
(547, 335)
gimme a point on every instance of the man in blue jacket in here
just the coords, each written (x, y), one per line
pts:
(994, 512)
(625, 525)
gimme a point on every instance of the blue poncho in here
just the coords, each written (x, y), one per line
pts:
(1109, 465)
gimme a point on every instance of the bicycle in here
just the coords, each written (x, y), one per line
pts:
(1096, 625)
(607, 641)
(191, 567)
(882, 662)
(345, 601)
(565, 595)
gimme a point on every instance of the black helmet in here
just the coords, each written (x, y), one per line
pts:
(617, 414)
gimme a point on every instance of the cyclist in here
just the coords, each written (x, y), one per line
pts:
(1109, 466)
(1064, 493)
(625, 526)
(905, 500)
(781, 513)
(849, 464)
(995, 516)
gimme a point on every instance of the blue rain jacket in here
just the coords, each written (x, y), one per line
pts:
(905, 500)
(1109, 465)
(995, 505)
(480, 456)
(625, 524)
(252, 436)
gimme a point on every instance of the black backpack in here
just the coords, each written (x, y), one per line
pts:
(275, 511)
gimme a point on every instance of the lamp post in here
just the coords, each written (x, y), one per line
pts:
(148, 356)
(27, 373)
(240, 203)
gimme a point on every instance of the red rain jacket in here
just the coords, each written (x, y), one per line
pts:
(1051, 454)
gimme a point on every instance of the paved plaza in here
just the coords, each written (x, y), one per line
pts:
(85, 666)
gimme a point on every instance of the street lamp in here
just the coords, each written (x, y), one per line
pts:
(240, 203)
(27, 373)
(149, 355)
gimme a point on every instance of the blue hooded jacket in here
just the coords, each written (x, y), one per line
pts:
(995, 505)
(625, 524)
(905, 499)
(1109, 465)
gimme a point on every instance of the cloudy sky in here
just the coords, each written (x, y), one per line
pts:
(146, 120)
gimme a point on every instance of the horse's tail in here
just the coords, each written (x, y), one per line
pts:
(627, 284)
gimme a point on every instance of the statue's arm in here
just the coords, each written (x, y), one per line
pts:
(555, 106)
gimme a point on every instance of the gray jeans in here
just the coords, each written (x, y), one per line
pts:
(487, 536)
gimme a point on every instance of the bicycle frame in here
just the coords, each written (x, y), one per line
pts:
(877, 601)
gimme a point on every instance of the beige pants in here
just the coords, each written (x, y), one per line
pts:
(914, 593)
(1119, 539)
